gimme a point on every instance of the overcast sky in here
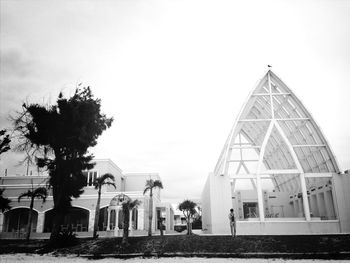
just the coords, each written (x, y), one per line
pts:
(174, 74)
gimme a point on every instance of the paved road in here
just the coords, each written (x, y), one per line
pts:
(52, 259)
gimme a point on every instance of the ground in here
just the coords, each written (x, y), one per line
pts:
(47, 258)
(321, 247)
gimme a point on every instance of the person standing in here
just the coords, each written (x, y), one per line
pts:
(232, 219)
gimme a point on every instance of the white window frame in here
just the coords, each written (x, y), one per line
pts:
(90, 176)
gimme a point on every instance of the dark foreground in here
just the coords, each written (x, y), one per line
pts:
(318, 247)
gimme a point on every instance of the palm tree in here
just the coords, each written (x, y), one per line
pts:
(4, 141)
(150, 184)
(188, 208)
(128, 205)
(40, 192)
(106, 179)
(4, 202)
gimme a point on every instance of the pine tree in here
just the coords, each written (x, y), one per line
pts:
(59, 136)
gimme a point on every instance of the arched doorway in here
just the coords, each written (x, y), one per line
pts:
(103, 219)
(76, 219)
(116, 215)
(112, 220)
(16, 220)
(134, 218)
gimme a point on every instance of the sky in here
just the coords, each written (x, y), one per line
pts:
(174, 74)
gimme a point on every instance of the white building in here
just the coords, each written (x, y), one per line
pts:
(82, 214)
(277, 171)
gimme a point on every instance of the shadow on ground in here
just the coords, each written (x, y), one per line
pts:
(315, 246)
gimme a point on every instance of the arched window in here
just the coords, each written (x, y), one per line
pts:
(103, 219)
(16, 220)
(134, 218)
(76, 219)
(112, 220)
(120, 219)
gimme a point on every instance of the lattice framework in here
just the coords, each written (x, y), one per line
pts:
(275, 135)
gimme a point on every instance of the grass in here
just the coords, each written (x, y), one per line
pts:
(195, 245)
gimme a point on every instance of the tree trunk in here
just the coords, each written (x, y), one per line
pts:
(60, 198)
(97, 213)
(29, 224)
(57, 198)
(56, 224)
(161, 227)
(150, 216)
(58, 216)
(125, 226)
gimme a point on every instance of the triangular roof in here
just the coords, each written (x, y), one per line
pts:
(275, 131)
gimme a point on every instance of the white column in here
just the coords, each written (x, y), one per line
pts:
(167, 219)
(258, 170)
(117, 218)
(91, 220)
(260, 198)
(108, 218)
(140, 219)
(40, 223)
(1, 221)
(154, 217)
(130, 220)
(116, 228)
(305, 200)
(130, 223)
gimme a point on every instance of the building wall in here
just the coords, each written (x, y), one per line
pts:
(137, 182)
(287, 227)
(167, 212)
(341, 184)
(206, 208)
(134, 183)
(216, 204)
(329, 209)
(107, 166)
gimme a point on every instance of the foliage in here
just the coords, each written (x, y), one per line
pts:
(150, 184)
(66, 238)
(38, 193)
(4, 202)
(188, 209)
(4, 141)
(128, 205)
(58, 136)
(105, 179)
(323, 246)
(197, 218)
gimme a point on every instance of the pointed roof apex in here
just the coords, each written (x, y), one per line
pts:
(272, 104)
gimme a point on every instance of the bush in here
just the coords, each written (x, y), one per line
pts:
(66, 238)
(180, 228)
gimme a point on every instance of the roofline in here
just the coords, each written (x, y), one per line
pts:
(109, 161)
(229, 139)
(142, 174)
(221, 163)
(312, 119)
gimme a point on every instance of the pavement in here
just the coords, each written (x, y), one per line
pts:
(73, 259)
